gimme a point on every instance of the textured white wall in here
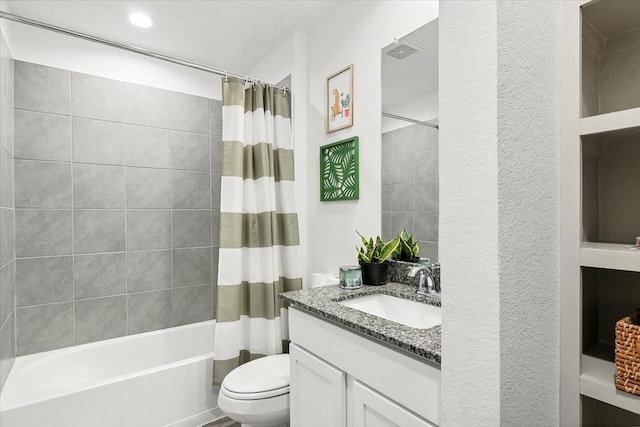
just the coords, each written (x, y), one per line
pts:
(529, 210)
(354, 34)
(499, 204)
(469, 214)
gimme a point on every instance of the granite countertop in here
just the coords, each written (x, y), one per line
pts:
(323, 302)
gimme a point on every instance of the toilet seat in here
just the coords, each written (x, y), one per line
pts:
(259, 379)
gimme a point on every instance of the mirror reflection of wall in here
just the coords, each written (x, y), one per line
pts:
(410, 186)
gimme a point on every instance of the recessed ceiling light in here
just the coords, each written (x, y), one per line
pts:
(140, 20)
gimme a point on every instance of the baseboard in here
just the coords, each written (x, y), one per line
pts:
(199, 419)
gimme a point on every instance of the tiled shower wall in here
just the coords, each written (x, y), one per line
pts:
(410, 186)
(7, 264)
(117, 195)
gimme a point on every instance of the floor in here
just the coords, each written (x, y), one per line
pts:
(222, 422)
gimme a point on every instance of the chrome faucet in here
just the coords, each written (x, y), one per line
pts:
(427, 284)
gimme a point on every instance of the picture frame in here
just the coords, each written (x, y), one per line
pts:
(340, 171)
(340, 99)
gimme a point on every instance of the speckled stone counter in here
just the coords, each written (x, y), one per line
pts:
(324, 302)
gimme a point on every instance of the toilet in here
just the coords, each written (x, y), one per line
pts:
(257, 393)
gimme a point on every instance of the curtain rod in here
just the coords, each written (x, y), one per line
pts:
(129, 48)
(406, 119)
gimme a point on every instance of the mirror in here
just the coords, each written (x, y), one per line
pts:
(410, 186)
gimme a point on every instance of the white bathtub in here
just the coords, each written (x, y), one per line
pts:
(156, 379)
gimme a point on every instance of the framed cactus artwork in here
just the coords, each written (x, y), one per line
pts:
(339, 171)
(340, 99)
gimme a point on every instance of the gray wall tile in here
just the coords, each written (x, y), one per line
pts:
(41, 136)
(98, 231)
(96, 97)
(7, 349)
(7, 292)
(191, 228)
(100, 319)
(386, 226)
(43, 232)
(426, 166)
(400, 221)
(44, 327)
(215, 255)
(7, 230)
(215, 228)
(215, 191)
(402, 197)
(427, 196)
(112, 124)
(148, 229)
(387, 198)
(6, 180)
(191, 190)
(402, 169)
(190, 151)
(44, 280)
(429, 250)
(148, 188)
(191, 266)
(97, 186)
(99, 275)
(146, 106)
(40, 88)
(42, 184)
(147, 147)
(216, 154)
(215, 111)
(149, 311)
(425, 226)
(387, 147)
(6, 124)
(189, 113)
(192, 304)
(148, 271)
(98, 141)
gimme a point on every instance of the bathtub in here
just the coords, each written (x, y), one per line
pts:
(155, 379)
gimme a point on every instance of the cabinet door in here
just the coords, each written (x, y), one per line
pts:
(318, 391)
(371, 409)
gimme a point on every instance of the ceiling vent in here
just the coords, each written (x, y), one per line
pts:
(402, 49)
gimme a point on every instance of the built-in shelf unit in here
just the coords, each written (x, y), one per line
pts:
(600, 204)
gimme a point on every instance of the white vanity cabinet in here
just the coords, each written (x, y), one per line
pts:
(371, 409)
(340, 378)
(318, 393)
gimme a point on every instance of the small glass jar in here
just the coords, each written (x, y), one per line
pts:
(350, 277)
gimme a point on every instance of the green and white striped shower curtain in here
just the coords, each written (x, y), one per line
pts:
(259, 243)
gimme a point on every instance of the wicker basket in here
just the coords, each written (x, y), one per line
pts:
(628, 354)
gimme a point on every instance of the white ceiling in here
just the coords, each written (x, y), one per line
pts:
(230, 35)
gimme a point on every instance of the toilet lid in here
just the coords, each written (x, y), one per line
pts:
(259, 379)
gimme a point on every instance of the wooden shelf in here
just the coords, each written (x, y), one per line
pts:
(597, 382)
(609, 255)
(609, 122)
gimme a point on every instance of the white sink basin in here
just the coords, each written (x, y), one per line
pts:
(406, 312)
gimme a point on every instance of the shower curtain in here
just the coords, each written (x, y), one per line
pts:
(259, 243)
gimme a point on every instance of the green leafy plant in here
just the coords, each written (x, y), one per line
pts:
(376, 250)
(407, 248)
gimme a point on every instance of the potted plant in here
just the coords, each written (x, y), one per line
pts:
(407, 248)
(373, 256)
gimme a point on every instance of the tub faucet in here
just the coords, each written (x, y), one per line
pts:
(427, 284)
